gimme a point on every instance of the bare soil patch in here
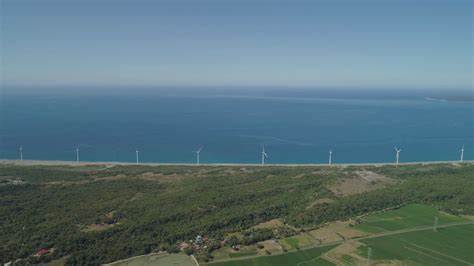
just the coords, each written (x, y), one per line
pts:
(363, 181)
(275, 223)
(107, 178)
(246, 170)
(319, 201)
(67, 183)
(161, 177)
(230, 171)
(136, 196)
(336, 231)
(348, 248)
(96, 227)
(270, 245)
(298, 176)
(10, 180)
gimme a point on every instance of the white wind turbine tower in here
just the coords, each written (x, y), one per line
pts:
(21, 152)
(264, 155)
(398, 154)
(136, 152)
(462, 154)
(77, 154)
(369, 255)
(197, 155)
(330, 156)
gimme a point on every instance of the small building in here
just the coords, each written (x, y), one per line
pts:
(198, 239)
(183, 245)
(41, 252)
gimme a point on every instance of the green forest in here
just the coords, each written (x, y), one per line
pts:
(101, 213)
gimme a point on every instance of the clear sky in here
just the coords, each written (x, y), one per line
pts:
(384, 43)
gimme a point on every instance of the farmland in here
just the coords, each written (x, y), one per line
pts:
(411, 240)
(156, 259)
(305, 257)
(92, 214)
(410, 216)
(448, 246)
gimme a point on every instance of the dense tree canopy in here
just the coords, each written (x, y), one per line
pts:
(100, 214)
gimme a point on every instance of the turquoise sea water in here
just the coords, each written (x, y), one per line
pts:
(232, 127)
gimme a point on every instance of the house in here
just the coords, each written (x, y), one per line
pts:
(198, 239)
(41, 252)
(183, 245)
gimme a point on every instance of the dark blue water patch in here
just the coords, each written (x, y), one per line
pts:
(232, 127)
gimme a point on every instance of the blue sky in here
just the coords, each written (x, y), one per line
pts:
(368, 44)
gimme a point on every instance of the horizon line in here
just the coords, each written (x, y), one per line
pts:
(227, 86)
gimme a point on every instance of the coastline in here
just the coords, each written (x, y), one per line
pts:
(450, 99)
(110, 164)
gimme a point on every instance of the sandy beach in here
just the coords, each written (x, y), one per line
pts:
(85, 163)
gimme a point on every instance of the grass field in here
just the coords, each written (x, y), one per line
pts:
(348, 260)
(298, 241)
(299, 258)
(409, 216)
(293, 242)
(157, 260)
(447, 246)
(242, 254)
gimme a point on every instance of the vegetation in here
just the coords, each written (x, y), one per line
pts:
(449, 187)
(414, 215)
(157, 259)
(447, 246)
(302, 257)
(406, 235)
(96, 214)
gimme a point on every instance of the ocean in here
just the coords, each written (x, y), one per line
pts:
(231, 126)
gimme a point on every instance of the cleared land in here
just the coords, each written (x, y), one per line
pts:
(360, 182)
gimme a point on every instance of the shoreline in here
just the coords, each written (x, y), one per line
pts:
(86, 163)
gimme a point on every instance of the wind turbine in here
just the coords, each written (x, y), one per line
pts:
(21, 152)
(369, 255)
(398, 154)
(462, 154)
(264, 155)
(137, 151)
(197, 155)
(77, 154)
(330, 156)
